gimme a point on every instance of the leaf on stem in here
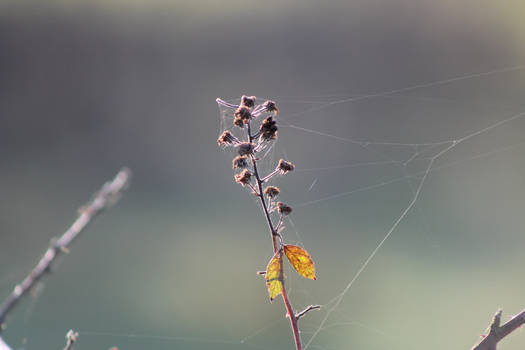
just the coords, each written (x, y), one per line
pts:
(300, 260)
(275, 276)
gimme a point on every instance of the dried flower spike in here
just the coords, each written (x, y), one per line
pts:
(270, 106)
(285, 166)
(246, 148)
(283, 209)
(271, 191)
(248, 101)
(226, 138)
(268, 129)
(240, 162)
(244, 177)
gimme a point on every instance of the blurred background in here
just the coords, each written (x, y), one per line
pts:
(89, 86)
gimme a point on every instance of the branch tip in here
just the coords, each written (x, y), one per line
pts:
(496, 321)
(305, 311)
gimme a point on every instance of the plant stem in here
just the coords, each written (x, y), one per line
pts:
(276, 248)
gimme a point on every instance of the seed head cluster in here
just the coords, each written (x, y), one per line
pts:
(248, 101)
(243, 113)
(246, 148)
(240, 162)
(269, 129)
(226, 139)
(270, 106)
(283, 209)
(272, 191)
(285, 166)
(244, 177)
(244, 116)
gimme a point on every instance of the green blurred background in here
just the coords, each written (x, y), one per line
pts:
(89, 86)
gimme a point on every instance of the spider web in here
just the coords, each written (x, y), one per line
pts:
(422, 156)
(342, 165)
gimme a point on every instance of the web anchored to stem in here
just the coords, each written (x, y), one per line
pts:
(248, 150)
(431, 154)
(443, 147)
(420, 153)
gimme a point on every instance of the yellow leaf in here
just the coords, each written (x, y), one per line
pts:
(274, 276)
(300, 260)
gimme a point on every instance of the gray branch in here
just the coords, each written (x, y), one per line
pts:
(498, 332)
(107, 196)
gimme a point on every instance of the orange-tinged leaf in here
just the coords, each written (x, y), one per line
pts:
(274, 276)
(300, 260)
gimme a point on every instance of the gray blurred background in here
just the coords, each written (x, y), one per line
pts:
(89, 86)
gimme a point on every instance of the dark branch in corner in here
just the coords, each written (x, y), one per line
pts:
(498, 332)
(71, 338)
(108, 195)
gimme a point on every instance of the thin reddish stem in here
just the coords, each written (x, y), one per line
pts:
(276, 248)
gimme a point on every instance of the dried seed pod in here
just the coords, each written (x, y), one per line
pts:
(285, 166)
(248, 101)
(271, 106)
(268, 129)
(240, 162)
(244, 177)
(271, 191)
(226, 138)
(238, 122)
(283, 209)
(244, 113)
(246, 148)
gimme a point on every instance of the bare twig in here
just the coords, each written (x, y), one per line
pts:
(497, 332)
(71, 338)
(107, 196)
(309, 308)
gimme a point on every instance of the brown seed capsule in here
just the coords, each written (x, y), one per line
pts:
(270, 106)
(244, 177)
(271, 191)
(243, 113)
(285, 166)
(248, 101)
(246, 148)
(240, 162)
(226, 138)
(238, 122)
(283, 209)
(268, 129)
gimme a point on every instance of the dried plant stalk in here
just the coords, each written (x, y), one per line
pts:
(244, 116)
